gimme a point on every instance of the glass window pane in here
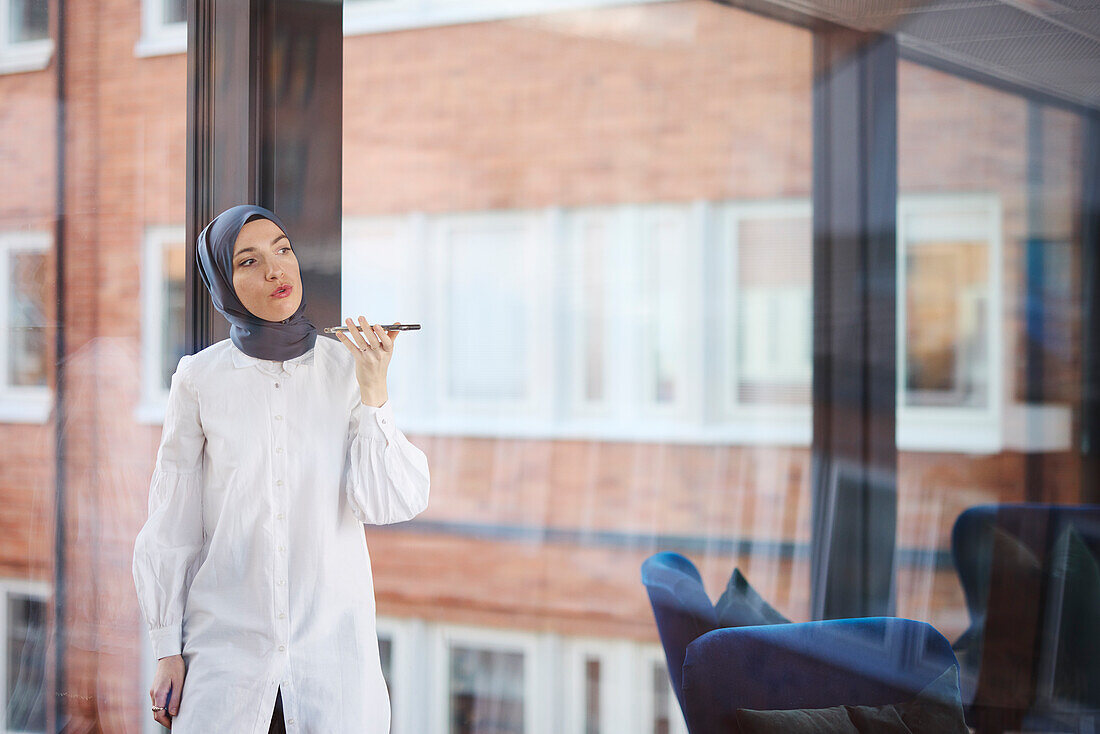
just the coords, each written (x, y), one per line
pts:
(661, 690)
(486, 691)
(26, 672)
(775, 324)
(30, 20)
(175, 11)
(487, 296)
(592, 695)
(173, 316)
(947, 320)
(27, 314)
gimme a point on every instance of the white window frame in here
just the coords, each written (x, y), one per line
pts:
(760, 423)
(23, 55)
(687, 408)
(158, 37)
(408, 662)
(154, 397)
(931, 217)
(537, 651)
(497, 416)
(39, 591)
(573, 310)
(650, 657)
(19, 403)
(376, 16)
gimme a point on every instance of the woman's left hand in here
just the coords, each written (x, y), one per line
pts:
(372, 348)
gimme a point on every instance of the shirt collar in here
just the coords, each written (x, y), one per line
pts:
(240, 359)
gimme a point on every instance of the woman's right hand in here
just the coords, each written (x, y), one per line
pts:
(167, 687)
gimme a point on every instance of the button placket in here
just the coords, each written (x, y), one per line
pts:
(281, 510)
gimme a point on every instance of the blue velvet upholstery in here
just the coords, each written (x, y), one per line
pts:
(869, 662)
(680, 605)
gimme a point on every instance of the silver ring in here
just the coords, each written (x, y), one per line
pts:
(159, 708)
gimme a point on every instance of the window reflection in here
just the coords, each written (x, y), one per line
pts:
(172, 316)
(26, 318)
(28, 20)
(26, 664)
(486, 691)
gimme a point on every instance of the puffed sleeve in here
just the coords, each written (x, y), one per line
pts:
(168, 544)
(386, 476)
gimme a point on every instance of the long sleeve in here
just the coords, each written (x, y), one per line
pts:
(172, 537)
(386, 475)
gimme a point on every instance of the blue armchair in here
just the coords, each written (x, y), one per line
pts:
(719, 661)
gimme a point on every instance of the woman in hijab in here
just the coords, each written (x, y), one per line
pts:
(252, 569)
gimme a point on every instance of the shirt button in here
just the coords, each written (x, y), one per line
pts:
(290, 722)
(279, 450)
(276, 384)
(278, 417)
(280, 516)
(282, 581)
(280, 482)
(282, 648)
(282, 548)
(383, 420)
(282, 616)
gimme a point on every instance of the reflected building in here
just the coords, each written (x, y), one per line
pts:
(603, 215)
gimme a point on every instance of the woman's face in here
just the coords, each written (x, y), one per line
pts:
(265, 271)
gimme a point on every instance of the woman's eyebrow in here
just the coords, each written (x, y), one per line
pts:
(253, 249)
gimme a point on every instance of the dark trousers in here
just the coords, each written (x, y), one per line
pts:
(278, 726)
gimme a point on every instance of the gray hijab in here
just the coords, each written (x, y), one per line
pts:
(274, 340)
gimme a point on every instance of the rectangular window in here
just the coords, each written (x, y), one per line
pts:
(662, 719)
(172, 311)
(486, 691)
(24, 327)
(25, 666)
(946, 256)
(28, 20)
(25, 43)
(163, 28)
(591, 695)
(669, 304)
(25, 365)
(492, 280)
(163, 316)
(774, 288)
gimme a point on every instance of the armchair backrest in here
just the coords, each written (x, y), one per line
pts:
(681, 607)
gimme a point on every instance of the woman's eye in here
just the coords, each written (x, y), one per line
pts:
(245, 262)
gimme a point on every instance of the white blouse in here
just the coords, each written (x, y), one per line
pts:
(253, 563)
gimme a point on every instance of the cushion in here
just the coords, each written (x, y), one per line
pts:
(878, 720)
(741, 606)
(797, 721)
(935, 710)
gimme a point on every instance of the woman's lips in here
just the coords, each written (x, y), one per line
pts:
(283, 292)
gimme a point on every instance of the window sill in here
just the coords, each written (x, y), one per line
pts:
(376, 16)
(1023, 428)
(166, 42)
(33, 407)
(32, 56)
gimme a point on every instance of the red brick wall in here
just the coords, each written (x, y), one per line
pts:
(575, 109)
